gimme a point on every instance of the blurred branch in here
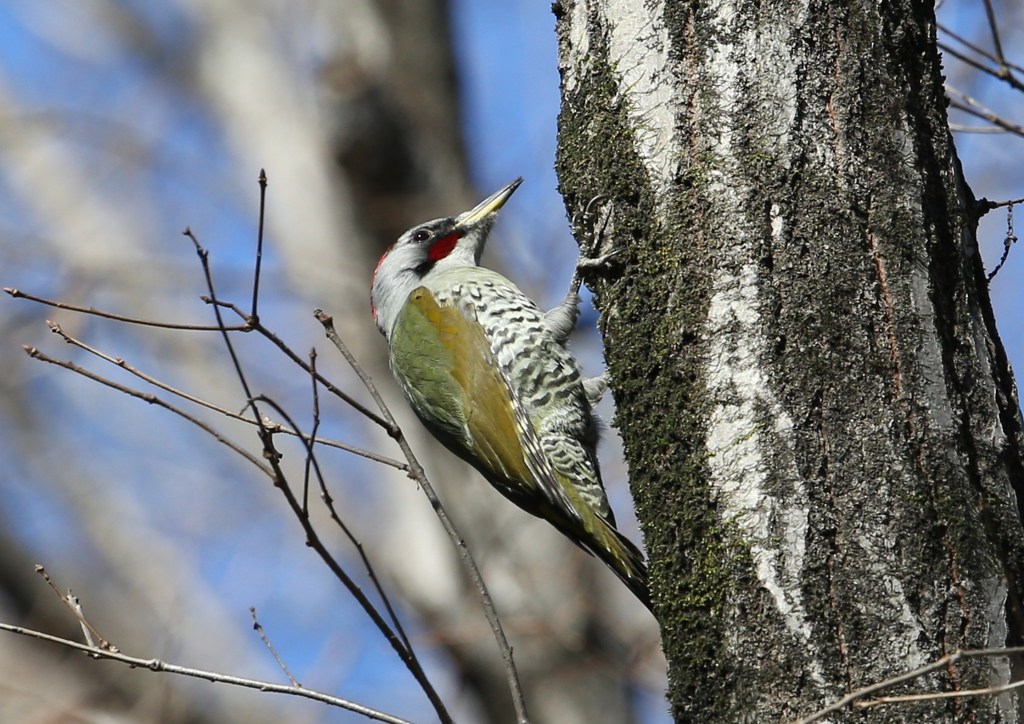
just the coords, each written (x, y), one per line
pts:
(993, 27)
(217, 678)
(960, 128)
(969, 105)
(258, 627)
(985, 60)
(1003, 72)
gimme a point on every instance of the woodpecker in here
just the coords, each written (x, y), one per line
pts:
(490, 375)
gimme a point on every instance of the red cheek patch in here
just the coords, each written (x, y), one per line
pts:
(443, 246)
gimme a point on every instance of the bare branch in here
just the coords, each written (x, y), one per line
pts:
(92, 636)
(969, 105)
(204, 260)
(151, 399)
(928, 696)
(405, 653)
(1002, 72)
(270, 647)
(274, 426)
(997, 204)
(259, 247)
(993, 27)
(217, 678)
(290, 354)
(960, 128)
(18, 294)
(328, 502)
(417, 473)
(976, 48)
(273, 457)
(310, 458)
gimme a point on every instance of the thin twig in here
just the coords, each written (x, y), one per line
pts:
(932, 695)
(120, 362)
(939, 663)
(151, 399)
(18, 294)
(163, 666)
(967, 104)
(993, 27)
(977, 48)
(406, 654)
(314, 465)
(92, 636)
(204, 260)
(998, 204)
(417, 473)
(310, 458)
(400, 642)
(259, 248)
(1002, 73)
(290, 354)
(258, 627)
(961, 128)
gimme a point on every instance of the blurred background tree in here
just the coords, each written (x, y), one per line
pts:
(122, 123)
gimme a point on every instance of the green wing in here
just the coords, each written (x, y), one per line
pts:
(447, 370)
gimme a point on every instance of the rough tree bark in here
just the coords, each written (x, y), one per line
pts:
(823, 432)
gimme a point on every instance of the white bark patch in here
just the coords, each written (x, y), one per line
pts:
(928, 354)
(1000, 674)
(638, 45)
(725, 71)
(579, 47)
(904, 638)
(745, 413)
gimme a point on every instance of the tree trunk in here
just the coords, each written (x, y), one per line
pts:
(822, 430)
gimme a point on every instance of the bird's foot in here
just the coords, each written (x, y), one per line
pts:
(589, 227)
(595, 387)
(599, 263)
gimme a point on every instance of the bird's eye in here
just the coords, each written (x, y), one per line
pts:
(421, 235)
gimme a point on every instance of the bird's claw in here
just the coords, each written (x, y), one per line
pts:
(584, 264)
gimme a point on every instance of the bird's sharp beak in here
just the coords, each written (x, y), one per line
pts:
(488, 206)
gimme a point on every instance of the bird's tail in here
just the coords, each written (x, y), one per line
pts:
(624, 558)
